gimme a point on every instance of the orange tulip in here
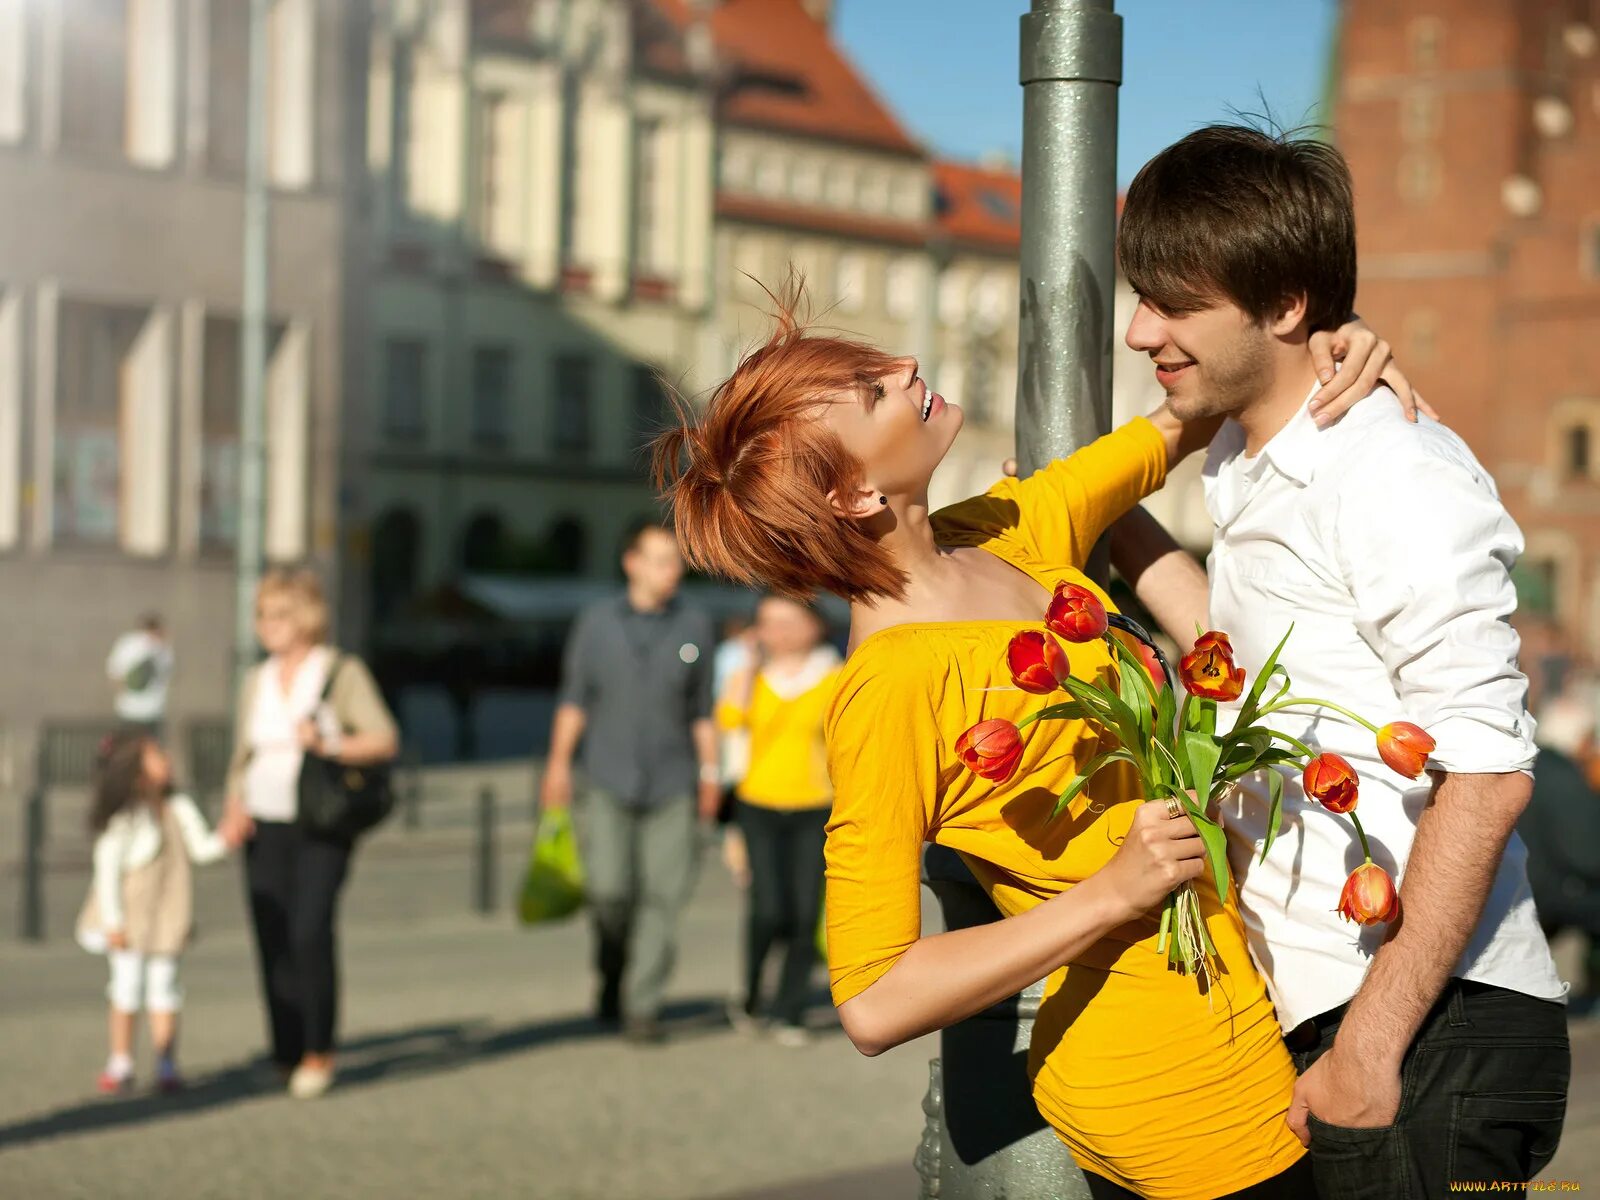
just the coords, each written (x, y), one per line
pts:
(1369, 897)
(1076, 613)
(991, 749)
(1208, 669)
(1405, 747)
(1331, 782)
(1037, 661)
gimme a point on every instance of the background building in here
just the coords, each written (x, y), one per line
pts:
(1473, 131)
(122, 138)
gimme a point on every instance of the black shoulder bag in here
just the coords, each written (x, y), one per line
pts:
(338, 800)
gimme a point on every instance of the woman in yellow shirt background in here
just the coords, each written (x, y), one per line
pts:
(779, 700)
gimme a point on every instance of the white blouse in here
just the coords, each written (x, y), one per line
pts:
(132, 839)
(272, 775)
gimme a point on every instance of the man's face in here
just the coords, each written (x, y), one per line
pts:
(1211, 363)
(654, 565)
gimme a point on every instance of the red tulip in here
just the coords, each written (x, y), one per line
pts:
(1405, 747)
(1331, 782)
(991, 749)
(1208, 669)
(1037, 661)
(1076, 613)
(1369, 897)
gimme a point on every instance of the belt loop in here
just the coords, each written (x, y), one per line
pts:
(1458, 1004)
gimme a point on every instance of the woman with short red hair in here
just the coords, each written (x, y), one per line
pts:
(810, 469)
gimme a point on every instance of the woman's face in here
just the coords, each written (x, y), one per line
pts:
(155, 766)
(784, 627)
(899, 431)
(276, 626)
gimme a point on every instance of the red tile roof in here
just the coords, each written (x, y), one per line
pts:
(978, 206)
(787, 73)
(822, 220)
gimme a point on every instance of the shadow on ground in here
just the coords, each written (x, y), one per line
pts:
(377, 1058)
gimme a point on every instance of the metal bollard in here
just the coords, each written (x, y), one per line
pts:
(486, 852)
(33, 867)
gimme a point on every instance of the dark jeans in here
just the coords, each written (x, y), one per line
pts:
(1293, 1184)
(786, 866)
(294, 881)
(1482, 1097)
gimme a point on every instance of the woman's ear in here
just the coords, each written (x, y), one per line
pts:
(859, 505)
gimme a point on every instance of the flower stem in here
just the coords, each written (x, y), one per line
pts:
(1300, 702)
(1362, 834)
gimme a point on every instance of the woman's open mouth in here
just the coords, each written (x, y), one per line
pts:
(932, 403)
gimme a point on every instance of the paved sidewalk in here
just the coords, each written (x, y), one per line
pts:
(473, 1071)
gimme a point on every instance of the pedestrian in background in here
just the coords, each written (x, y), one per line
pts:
(1561, 827)
(779, 699)
(735, 652)
(306, 697)
(636, 690)
(140, 668)
(139, 912)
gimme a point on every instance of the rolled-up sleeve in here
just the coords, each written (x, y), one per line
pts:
(1429, 556)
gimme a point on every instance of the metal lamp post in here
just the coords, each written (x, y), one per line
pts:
(984, 1138)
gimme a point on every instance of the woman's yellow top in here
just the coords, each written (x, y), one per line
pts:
(1150, 1083)
(788, 755)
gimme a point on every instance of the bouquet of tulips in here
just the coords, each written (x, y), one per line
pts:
(1175, 748)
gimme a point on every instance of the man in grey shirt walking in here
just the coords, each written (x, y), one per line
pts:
(636, 689)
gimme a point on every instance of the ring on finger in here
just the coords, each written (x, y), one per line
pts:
(1174, 807)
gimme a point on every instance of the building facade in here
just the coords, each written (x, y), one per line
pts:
(122, 142)
(1472, 128)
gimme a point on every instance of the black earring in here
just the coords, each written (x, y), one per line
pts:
(883, 499)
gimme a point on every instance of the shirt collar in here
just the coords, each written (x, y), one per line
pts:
(1294, 450)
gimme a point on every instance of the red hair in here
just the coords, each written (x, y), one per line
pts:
(748, 481)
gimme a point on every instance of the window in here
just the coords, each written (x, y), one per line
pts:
(405, 366)
(909, 192)
(649, 404)
(94, 408)
(991, 300)
(806, 181)
(769, 175)
(493, 198)
(981, 379)
(841, 186)
(491, 396)
(736, 169)
(94, 76)
(1419, 177)
(227, 85)
(952, 298)
(1424, 37)
(902, 287)
(850, 282)
(13, 73)
(649, 236)
(219, 433)
(1577, 452)
(1537, 580)
(574, 379)
(1419, 115)
(290, 61)
(874, 192)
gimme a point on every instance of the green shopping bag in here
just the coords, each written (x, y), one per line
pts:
(553, 886)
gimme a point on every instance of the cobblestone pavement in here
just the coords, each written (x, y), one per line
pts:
(471, 1069)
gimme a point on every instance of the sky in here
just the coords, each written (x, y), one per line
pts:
(948, 68)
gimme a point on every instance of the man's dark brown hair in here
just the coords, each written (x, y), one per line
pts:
(1232, 213)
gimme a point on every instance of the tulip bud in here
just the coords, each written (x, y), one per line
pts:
(1076, 613)
(1037, 661)
(1369, 897)
(1331, 782)
(1208, 671)
(1405, 747)
(991, 749)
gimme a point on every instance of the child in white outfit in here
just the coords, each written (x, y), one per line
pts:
(139, 911)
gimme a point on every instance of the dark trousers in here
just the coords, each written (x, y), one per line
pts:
(294, 881)
(786, 870)
(1483, 1094)
(1293, 1184)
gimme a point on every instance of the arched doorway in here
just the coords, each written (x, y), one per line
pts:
(396, 553)
(483, 543)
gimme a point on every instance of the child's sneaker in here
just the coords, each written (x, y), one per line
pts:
(117, 1076)
(168, 1078)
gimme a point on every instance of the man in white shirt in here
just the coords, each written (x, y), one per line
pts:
(1433, 1049)
(140, 667)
